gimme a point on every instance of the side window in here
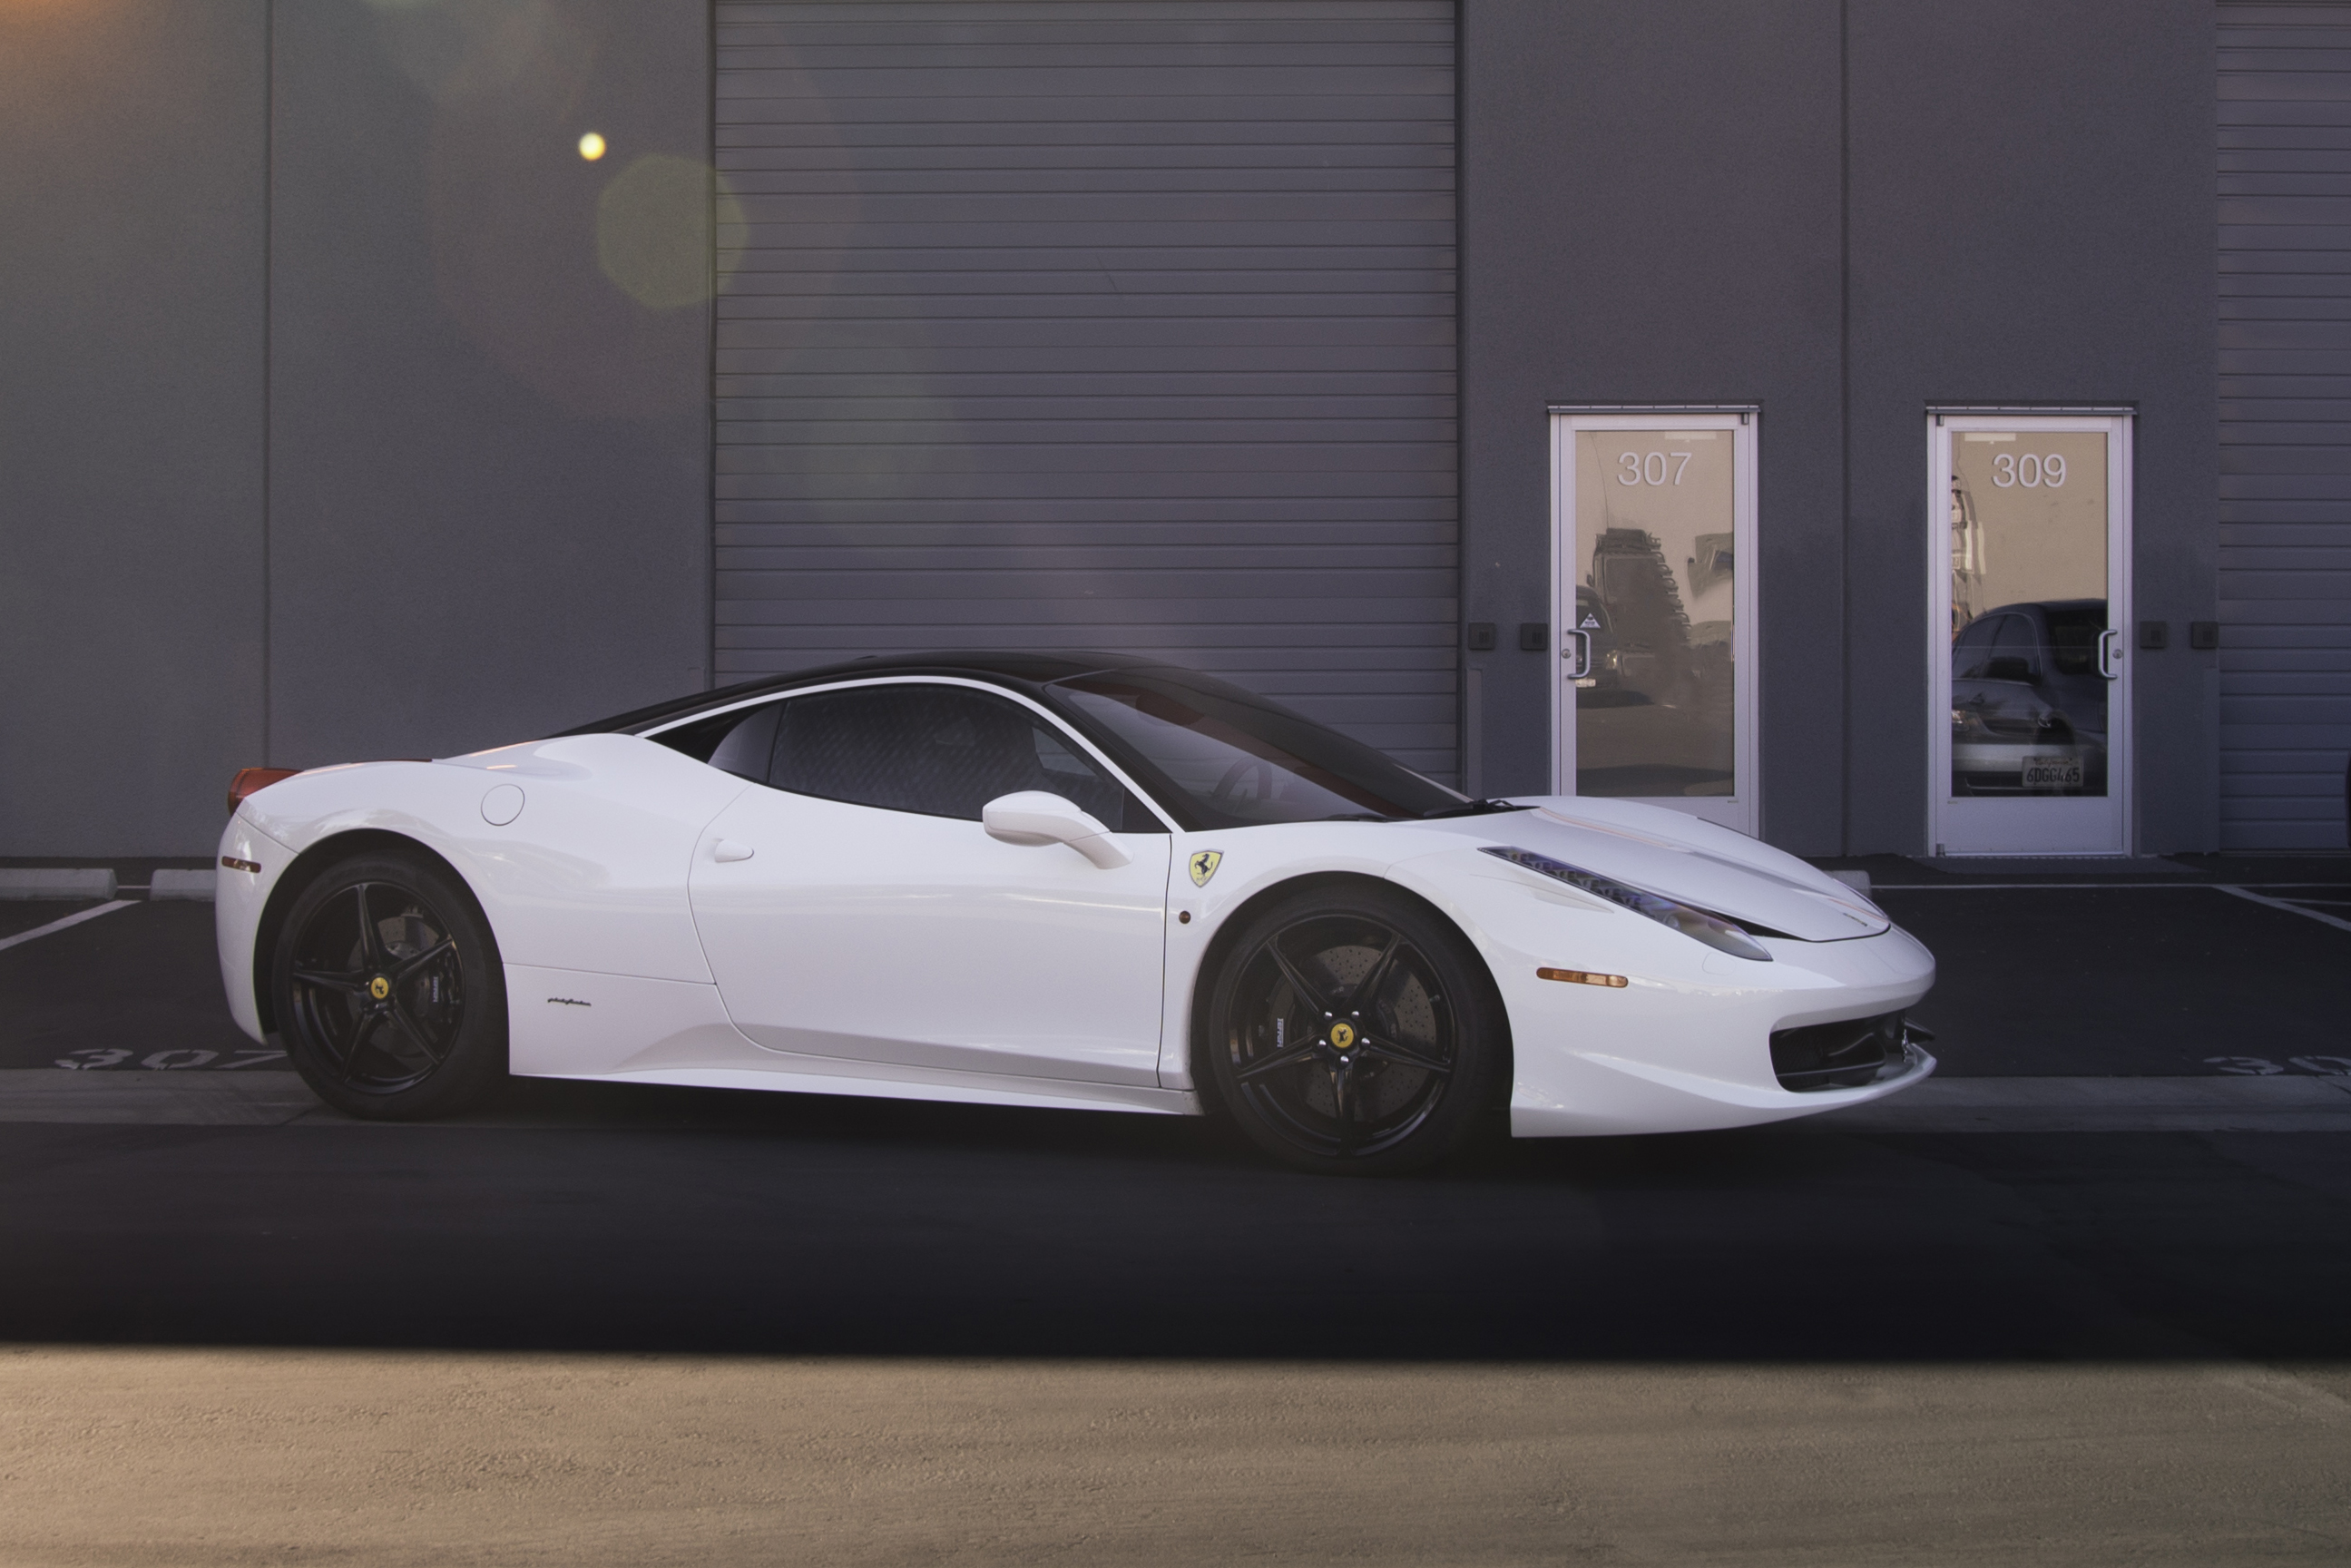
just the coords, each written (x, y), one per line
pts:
(942, 751)
(737, 742)
(743, 749)
(2074, 636)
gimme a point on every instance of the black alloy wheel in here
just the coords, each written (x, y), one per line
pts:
(1354, 1033)
(389, 993)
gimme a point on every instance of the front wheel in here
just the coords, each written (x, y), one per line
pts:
(389, 991)
(1355, 1032)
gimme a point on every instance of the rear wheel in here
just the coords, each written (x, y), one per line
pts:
(389, 992)
(1354, 1032)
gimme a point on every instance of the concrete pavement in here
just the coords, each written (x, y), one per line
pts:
(195, 1458)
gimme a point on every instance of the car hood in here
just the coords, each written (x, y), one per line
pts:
(1694, 862)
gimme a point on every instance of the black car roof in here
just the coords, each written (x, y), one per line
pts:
(1017, 668)
(2045, 605)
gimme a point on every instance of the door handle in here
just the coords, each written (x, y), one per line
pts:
(2110, 654)
(727, 850)
(1576, 649)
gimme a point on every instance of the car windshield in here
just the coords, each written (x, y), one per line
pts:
(1234, 759)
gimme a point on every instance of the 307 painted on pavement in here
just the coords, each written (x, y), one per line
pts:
(95, 1058)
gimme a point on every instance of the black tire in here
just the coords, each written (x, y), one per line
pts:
(1350, 1030)
(397, 1014)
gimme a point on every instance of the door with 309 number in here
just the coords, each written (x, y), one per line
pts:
(2030, 669)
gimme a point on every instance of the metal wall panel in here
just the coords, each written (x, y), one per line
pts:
(485, 451)
(2285, 429)
(1844, 213)
(1121, 324)
(1650, 215)
(133, 431)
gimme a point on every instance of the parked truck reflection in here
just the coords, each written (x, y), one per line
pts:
(1654, 712)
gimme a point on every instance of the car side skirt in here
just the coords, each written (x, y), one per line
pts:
(863, 1078)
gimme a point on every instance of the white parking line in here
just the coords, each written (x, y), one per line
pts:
(2334, 920)
(22, 937)
(2228, 1102)
(2239, 890)
(2072, 886)
(1879, 887)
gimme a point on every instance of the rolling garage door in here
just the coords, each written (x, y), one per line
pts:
(2285, 430)
(1119, 324)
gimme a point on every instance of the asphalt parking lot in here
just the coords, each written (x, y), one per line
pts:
(599, 1325)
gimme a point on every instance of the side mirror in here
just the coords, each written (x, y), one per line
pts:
(1034, 817)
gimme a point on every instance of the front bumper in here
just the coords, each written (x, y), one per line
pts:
(238, 903)
(1684, 1054)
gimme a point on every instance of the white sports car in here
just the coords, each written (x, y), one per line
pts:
(1058, 880)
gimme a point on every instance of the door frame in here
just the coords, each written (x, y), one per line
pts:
(2061, 831)
(1743, 811)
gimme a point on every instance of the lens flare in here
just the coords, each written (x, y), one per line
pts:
(591, 147)
(653, 227)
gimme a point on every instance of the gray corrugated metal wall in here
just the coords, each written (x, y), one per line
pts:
(1098, 323)
(2285, 429)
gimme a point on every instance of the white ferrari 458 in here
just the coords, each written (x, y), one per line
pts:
(1055, 879)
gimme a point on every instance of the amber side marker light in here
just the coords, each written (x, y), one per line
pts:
(236, 865)
(249, 780)
(1580, 977)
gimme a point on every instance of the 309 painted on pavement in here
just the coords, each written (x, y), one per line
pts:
(2262, 1067)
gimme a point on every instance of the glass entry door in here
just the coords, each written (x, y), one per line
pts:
(2030, 677)
(1653, 602)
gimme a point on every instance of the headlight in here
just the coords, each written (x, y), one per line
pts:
(1711, 929)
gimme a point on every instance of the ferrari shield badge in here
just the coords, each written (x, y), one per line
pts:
(1204, 866)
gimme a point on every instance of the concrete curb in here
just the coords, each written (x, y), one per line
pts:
(195, 886)
(58, 883)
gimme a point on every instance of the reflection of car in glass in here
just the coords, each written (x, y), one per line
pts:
(2029, 701)
(1049, 879)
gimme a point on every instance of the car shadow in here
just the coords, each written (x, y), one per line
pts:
(599, 1217)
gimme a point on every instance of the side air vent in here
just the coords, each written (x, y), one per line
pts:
(1842, 1055)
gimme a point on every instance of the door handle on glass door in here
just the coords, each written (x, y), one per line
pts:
(2110, 654)
(728, 850)
(1576, 649)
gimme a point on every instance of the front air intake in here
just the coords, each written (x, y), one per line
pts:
(1844, 1055)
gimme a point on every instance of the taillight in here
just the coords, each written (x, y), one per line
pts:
(249, 780)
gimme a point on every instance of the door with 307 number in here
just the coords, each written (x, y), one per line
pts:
(1654, 599)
